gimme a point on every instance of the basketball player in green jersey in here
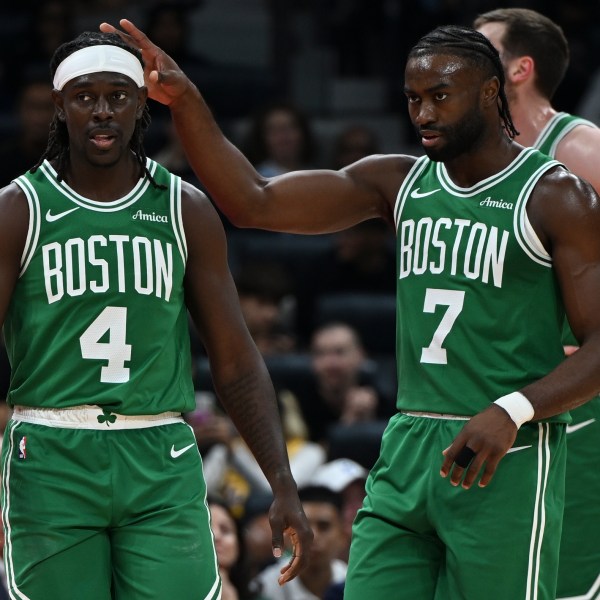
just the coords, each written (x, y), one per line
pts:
(535, 55)
(485, 273)
(102, 253)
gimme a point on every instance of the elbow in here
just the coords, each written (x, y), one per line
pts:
(246, 213)
(241, 219)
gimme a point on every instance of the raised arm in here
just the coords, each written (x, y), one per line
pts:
(315, 201)
(240, 377)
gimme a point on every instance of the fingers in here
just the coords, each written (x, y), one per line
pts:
(108, 28)
(457, 463)
(129, 33)
(466, 464)
(298, 560)
(139, 37)
(464, 457)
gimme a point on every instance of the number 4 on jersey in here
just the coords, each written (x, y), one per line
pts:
(454, 300)
(112, 320)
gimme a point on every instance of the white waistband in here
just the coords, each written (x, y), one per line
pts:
(432, 415)
(91, 417)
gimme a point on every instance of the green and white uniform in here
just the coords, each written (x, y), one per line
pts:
(479, 316)
(579, 570)
(95, 475)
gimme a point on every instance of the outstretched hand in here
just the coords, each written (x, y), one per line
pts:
(287, 518)
(481, 444)
(166, 82)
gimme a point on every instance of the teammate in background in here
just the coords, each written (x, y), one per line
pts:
(102, 251)
(535, 56)
(486, 267)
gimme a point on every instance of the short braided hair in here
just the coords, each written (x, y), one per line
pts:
(475, 47)
(58, 138)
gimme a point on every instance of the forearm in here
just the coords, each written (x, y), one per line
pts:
(572, 383)
(246, 464)
(249, 399)
(229, 177)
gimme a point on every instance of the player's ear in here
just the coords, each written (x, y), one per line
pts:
(520, 69)
(142, 97)
(490, 91)
(58, 105)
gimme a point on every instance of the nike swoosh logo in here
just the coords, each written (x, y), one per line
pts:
(517, 448)
(417, 194)
(50, 217)
(178, 453)
(578, 426)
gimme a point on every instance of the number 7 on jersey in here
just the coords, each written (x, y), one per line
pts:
(454, 300)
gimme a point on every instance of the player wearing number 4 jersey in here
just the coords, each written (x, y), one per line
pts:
(102, 254)
(485, 273)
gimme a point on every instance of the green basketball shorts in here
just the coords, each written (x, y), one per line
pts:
(579, 567)
(99, 506)
(419, 537)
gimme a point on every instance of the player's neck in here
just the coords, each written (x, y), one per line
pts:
(102, 184)
(530, 115)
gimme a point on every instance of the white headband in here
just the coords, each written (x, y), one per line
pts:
(95, 59)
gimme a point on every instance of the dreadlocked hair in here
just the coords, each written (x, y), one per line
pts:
(58, 138)
(475, 47)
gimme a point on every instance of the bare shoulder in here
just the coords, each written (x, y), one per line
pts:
(14, 226)
(385, 172)
(563, 203)
(578, 151)
(393, 165)
(579, 136)
(14, 209)
(12, 194)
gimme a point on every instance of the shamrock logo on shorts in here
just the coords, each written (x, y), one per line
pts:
(107, 417)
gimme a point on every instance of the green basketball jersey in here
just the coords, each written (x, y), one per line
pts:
(479, 308)
(98, 315)
(547, 141)
(555, 130)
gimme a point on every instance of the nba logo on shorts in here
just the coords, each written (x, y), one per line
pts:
(23, 447)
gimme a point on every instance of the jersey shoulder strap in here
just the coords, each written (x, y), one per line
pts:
(556, 129)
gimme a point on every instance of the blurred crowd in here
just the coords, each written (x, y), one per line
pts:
(321, 309)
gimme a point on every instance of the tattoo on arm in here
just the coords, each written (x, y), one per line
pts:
(250, 402)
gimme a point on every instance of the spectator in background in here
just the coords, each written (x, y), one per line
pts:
(169, 23)
(279, 140)
(323, 510)
(171, 155)
(49, 25)
(343, 392)
(231, 553)
(230, 469)
(263, 288)
(34, 111)
(347, 478)
(361, 260)
(256, 531)
(353, 143)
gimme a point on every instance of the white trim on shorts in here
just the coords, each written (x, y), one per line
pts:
(86, 417)
(432, 415)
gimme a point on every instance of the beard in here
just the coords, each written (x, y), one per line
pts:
(461, 138)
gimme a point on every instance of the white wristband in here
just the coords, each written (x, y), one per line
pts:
(517, 406)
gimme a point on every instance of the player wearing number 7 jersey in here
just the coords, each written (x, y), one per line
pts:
(486, 269)
(102, 254)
